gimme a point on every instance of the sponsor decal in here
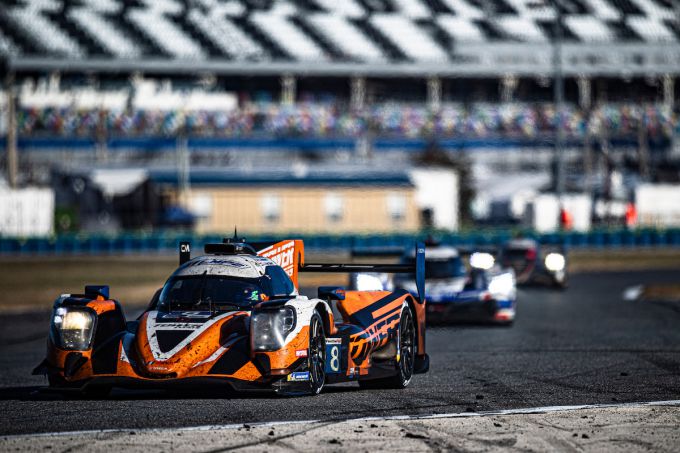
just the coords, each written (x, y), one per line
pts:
(333, 340)
(301, 353)
(283, 255)
(230, 262)
(298, 376)
(332, 358)
(178, 326)
(178, 316)
(152, 326)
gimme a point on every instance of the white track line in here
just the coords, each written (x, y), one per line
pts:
(527, 410)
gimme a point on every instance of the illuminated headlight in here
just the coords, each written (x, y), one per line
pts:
(73, 328)
(483, 261)
(501, 284)
(554, 262)
(268, 329)
(367, 282)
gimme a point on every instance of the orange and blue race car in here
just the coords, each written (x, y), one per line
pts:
(235, 316)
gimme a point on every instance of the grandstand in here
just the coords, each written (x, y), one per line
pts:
(161, 84)
(444, 36)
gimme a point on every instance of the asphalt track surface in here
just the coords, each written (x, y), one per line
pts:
(582, 346)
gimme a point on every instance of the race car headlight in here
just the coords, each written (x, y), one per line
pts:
(367, 282)
(268, 329)
(73, 328)
(554, 262)
(501, 284)
(484, 261)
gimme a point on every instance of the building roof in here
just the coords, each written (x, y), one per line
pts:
(287, 177)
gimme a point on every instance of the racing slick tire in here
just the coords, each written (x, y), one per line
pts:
(406, 360)
(317, 354)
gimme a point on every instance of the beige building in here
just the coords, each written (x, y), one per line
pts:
(314, 204)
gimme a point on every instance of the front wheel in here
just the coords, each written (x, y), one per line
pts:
(317, 354)
(405, 359)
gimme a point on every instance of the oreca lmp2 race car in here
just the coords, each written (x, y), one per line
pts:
(535, 264)
(463, 285)
(234, 316)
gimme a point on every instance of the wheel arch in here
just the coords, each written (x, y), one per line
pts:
(326, 317)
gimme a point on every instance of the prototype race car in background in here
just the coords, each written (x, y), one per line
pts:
(535, 264)
(235, 316)
(462, 285)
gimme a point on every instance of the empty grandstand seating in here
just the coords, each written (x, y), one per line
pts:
(105, 33)
(522, 29)
(294, 41)
(7, 47)
(461, 29)
(164, 32)
(45, 32)
(346, 36)
(316, 30)
(589, 28)
(412, 40)
(226, 36)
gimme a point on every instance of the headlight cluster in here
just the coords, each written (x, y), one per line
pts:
(73, 328)
(268, 328)
(481, 260)
(502, 284)
(554, 262)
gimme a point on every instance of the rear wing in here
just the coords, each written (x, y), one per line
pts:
(377, 252)
(417, 268)
(466, 250)
(290, 255)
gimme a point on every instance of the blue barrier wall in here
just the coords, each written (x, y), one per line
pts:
(160, 243)
(305, 143)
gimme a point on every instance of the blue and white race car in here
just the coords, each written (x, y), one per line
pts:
(461, 285)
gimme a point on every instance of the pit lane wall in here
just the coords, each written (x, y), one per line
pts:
(163, 243)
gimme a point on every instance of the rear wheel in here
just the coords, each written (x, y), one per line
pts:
(317, 354)
(405, 360)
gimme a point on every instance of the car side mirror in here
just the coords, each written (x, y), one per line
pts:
(332, 292)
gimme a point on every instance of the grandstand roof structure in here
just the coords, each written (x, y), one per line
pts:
(348, 37)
